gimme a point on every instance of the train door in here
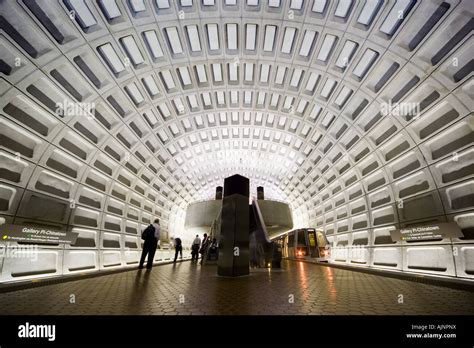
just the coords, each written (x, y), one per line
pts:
(301, 244)
(291, 252)
(324, 250)
(312, 244)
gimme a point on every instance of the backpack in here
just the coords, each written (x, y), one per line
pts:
(148, 232)
(178, 242)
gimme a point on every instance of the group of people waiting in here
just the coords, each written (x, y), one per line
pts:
(206, 248)
(151, 236)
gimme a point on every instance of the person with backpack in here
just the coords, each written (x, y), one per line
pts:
(151, 236)
(178, 248)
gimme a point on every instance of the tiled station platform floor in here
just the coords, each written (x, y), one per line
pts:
(189, 289)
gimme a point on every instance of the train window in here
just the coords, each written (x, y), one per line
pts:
(312, 239)
(321, 239)
(291, 240)
(301, 237)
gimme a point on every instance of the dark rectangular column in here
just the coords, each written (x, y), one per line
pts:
(218, 192)
(234, 238)
(260, 194)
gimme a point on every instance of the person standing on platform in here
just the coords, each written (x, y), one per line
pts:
(178, 247)
(151, 236)
(195, 248)
(203, 250)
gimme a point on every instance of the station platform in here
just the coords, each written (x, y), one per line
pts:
(298, 288)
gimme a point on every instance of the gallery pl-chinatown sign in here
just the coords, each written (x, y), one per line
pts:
(427, 232)
(29, 234)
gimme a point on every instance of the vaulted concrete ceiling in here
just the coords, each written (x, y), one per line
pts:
(185, 93)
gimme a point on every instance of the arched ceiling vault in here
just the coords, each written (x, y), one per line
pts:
(185, 93)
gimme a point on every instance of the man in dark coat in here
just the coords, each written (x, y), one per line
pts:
(178, 247)
(151, 243)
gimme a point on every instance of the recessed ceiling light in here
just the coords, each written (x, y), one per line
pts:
(178, 105)
(250, 37)
(296, 4)
(264, 73)
(164, 110)
(274, 3)
(307, 43)
(110, 8)
(315, 138)
(301, 106)
(186, 123)
(138, 5)
(186, 3)
(365, 62)
(396, 16)
(206, 98)
(151, 85)
(343, 7)
(163, 4)
(220, 97)
(288, 40)
(295, 79)
(184, 75)
(294, 124)
(201, 72)
(150, 117)
(269, 39)
(327, 47)
(274, 100)
(312, 81)
(153, 44)
(162, 135)
(193, 37)
(288, 102)
(174, 41)
(344, 94)
(369, 11)
(326, 122)
(280, 75)
(305, 130)
(199, 121)
(234, 97)
(217, 72)
(233, 72)
(132, 50)
(174, 129)
(211, 119)
(346, 54)
(248, 71)
(110, 56)
(82, 13)
(168, 79)
(319, 6)
(231, 36)
(213, 37)
(328, 88)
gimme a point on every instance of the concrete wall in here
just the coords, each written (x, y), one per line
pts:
(277, 216)
(201, 215)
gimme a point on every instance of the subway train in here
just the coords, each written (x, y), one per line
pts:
(305, 243)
